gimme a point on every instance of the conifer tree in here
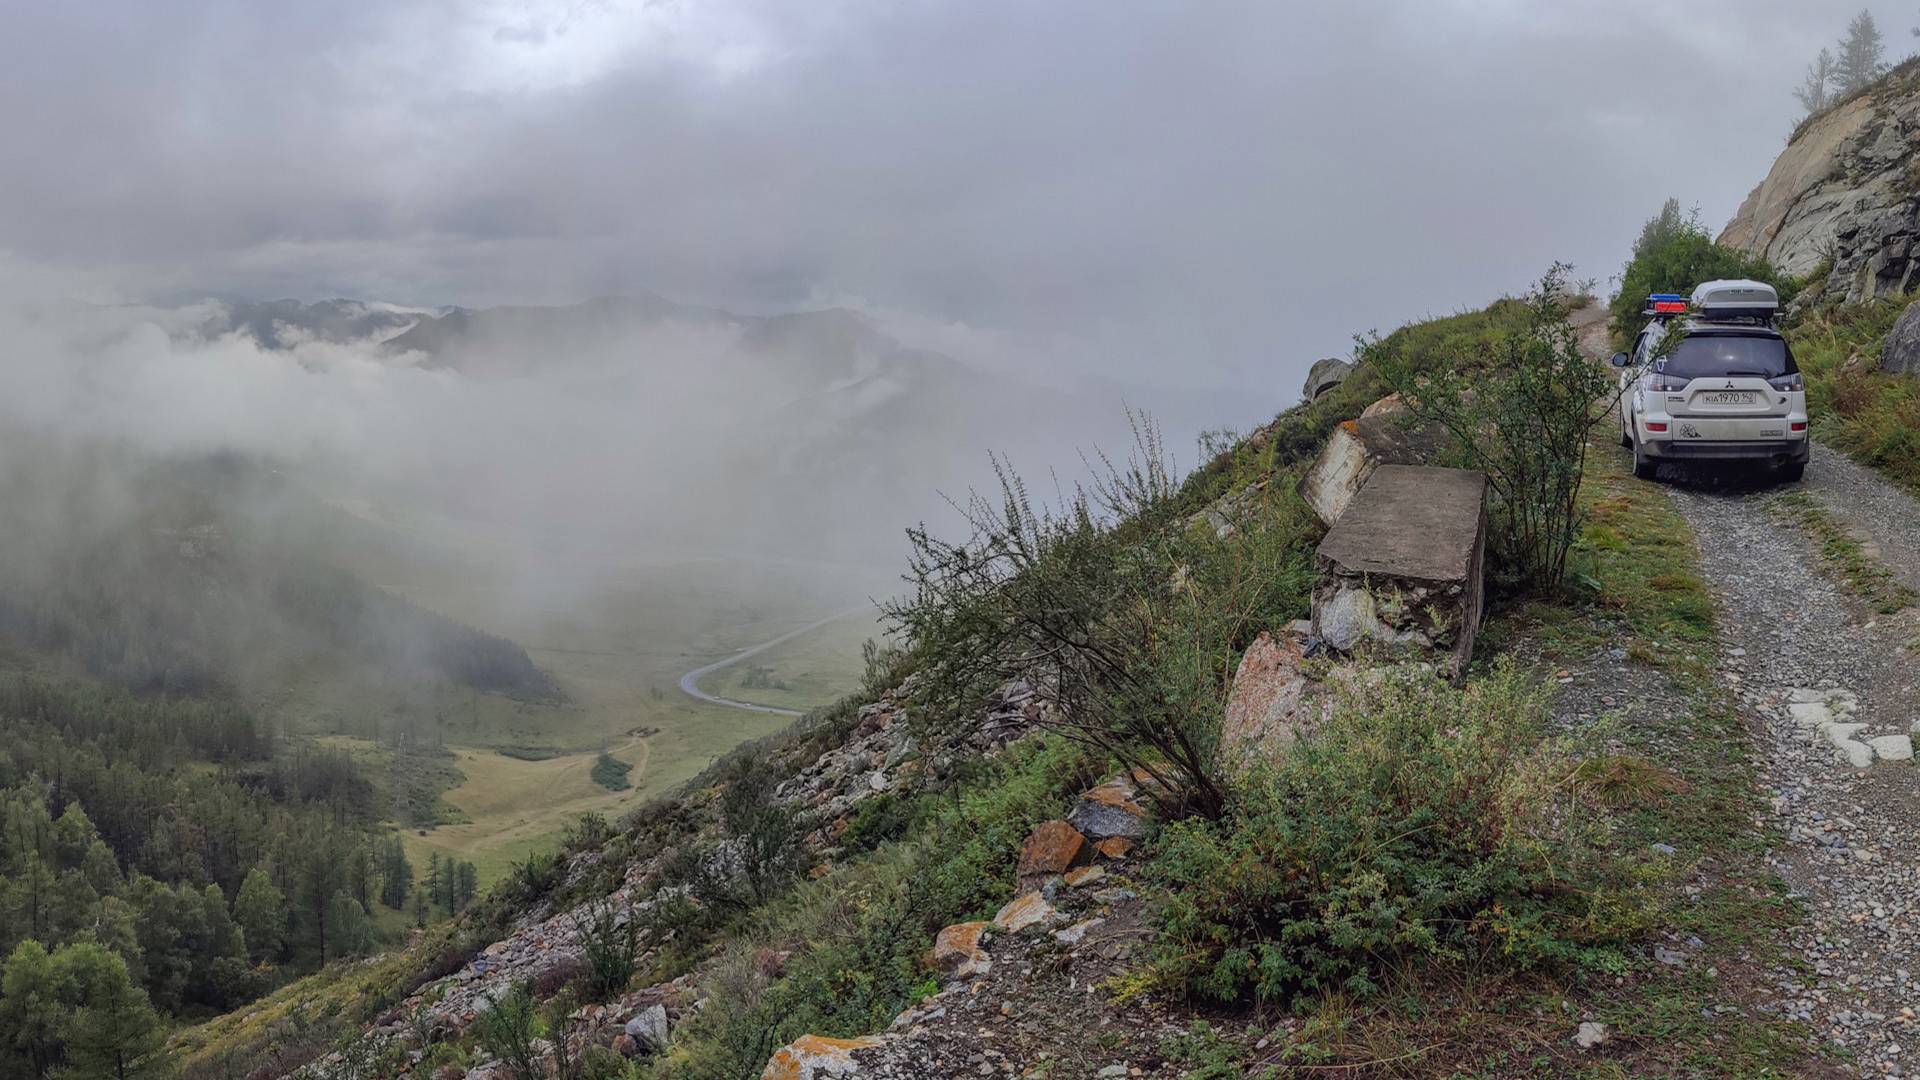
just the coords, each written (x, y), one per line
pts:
(1816, 90)
(1862, 56)
(261, 912)
(112, 1027)
(31, 1005)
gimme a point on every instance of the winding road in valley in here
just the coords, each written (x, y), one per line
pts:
(690, 682)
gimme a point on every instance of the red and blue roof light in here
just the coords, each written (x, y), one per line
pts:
(1665, 304)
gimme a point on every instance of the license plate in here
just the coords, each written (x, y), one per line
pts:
(1729, 397)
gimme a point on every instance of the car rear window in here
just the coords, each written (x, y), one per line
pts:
(1704, 356)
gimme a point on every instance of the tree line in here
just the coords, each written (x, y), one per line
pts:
(1842, 70)
(161, 857)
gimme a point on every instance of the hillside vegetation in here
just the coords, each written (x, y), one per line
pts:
(1429, 875)
(1871, 415)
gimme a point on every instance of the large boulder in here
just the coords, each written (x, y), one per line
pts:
(1403, 567)
(1901, 353)
(957, 950)
(1052, 847)
(1109, 810)
(1383, 435)
(648, 1029)
(1272, 702)
(1324, 375)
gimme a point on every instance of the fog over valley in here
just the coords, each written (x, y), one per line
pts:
(529, 516)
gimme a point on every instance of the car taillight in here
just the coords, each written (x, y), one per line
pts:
(1788, 382)
(1798, 425)
(1655, 425)
(1668, 382)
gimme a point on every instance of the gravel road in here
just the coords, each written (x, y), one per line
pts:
(1833, 694)
(1886, 518)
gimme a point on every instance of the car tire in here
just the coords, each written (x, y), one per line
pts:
(1643, 466)
(1792, 473)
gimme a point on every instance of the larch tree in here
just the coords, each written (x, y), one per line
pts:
(1816, 90)
(1862, 56)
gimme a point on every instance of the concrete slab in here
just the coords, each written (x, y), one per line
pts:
(1403, 567)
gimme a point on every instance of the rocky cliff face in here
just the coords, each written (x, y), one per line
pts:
(1847, 188)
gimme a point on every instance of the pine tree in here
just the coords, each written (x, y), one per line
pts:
(31, 1004)
(432, 885)
(112, 1026)
(1862, 56)
(349, 931)
(420, 907)
(467, 883)
(261, 912)
(396, 874)
(1816, 90)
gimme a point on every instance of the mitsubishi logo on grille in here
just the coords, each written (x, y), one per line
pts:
(1729, 384)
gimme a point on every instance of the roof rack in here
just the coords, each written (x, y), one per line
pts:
(1738, 301)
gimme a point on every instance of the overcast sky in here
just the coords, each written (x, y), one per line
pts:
(1216, 192)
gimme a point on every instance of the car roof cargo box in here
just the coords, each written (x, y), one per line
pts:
(1715, 300)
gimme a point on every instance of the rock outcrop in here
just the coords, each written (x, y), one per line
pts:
(1403, 568)
(1272, 704)
(1901, 352)
(1324, 376)
(1354, 449)
(1846, 186)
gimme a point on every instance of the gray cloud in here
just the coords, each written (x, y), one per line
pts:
(1209, 192)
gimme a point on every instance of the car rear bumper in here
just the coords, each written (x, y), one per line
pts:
(1779, 451)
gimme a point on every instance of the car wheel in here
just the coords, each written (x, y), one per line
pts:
(1643, 466)
(1792, 473)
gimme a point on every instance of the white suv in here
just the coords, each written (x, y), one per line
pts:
(1728, 391)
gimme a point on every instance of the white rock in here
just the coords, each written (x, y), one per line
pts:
(1840, 733)
(1857, 754)
(1803, 694)
(1892, 747)
(1073, 935)
(649, 1026)
(1590, 1035)
(1810, 714)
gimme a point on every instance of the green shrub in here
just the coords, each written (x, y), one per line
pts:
(1127, 619)
(1415, 824)
(508, 1031)
(611, 773)
(611, 936)
(1869, 414)
(1675, 253)
(1522, 408)
(874, 821)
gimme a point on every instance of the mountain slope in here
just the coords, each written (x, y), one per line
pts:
(1843, 199)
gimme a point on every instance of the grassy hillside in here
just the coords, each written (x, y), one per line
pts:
(1486, 916)
(1873, 416)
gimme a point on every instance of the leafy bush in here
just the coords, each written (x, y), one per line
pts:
(611, 936)
(1413, 825)
(508, 1031)
(1674, 254)
(611, 773)
(1524, 418)
(1125, 618)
